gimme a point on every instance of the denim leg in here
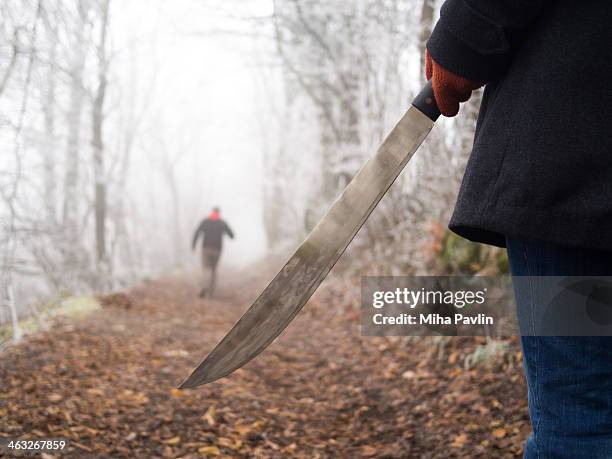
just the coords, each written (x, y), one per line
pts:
(569, 379)
(530, 347)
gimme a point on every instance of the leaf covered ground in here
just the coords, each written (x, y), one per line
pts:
(107, 383)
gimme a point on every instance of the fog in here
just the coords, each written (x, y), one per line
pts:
(123, 123)
(201, 63)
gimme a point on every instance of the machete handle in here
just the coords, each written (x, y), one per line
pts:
(425, 102)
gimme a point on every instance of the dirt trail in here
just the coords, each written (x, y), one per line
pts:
(107, 383)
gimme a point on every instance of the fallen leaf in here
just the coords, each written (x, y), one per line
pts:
(95, 391)
(229, 443)
(176, 353)
(459, 441)
(54, 397)
(209, 416)
(368, 451)
(242, 429)
(209, 450)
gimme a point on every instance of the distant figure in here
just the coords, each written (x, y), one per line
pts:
(212, 228)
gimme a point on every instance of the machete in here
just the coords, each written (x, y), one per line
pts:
(291, 288)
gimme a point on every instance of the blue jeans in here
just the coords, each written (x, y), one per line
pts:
(569, 378)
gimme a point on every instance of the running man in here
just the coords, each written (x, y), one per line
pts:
(212, 228)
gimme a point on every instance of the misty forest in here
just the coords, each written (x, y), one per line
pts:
(122, 124)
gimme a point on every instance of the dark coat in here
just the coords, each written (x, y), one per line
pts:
(541, 165)
(213, 231)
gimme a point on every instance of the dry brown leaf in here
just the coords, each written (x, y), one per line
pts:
(209, 416)
(229, 443)
(242, 429)
(209, 451)
(459, 441)
(225, 442)
(368, 451)
(95, 391)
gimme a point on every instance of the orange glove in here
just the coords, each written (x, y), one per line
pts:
(449, 89)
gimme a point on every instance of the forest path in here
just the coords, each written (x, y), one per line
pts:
(108, 382)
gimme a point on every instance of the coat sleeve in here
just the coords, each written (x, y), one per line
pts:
(475, 39)
(196, 235)
(229, 231)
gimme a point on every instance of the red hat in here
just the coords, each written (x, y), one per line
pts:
(214, 214)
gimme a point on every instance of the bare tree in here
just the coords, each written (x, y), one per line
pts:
(97, 136)
(72, 164)
(49, 150)
(426, 25)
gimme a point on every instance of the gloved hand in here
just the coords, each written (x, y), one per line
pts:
(449, 89)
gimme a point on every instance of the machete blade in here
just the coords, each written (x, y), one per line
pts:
(289, 291)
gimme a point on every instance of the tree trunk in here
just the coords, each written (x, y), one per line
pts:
(73, 141)
(10, 298)
(98, 140)
(427, 14)
(49, 149)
